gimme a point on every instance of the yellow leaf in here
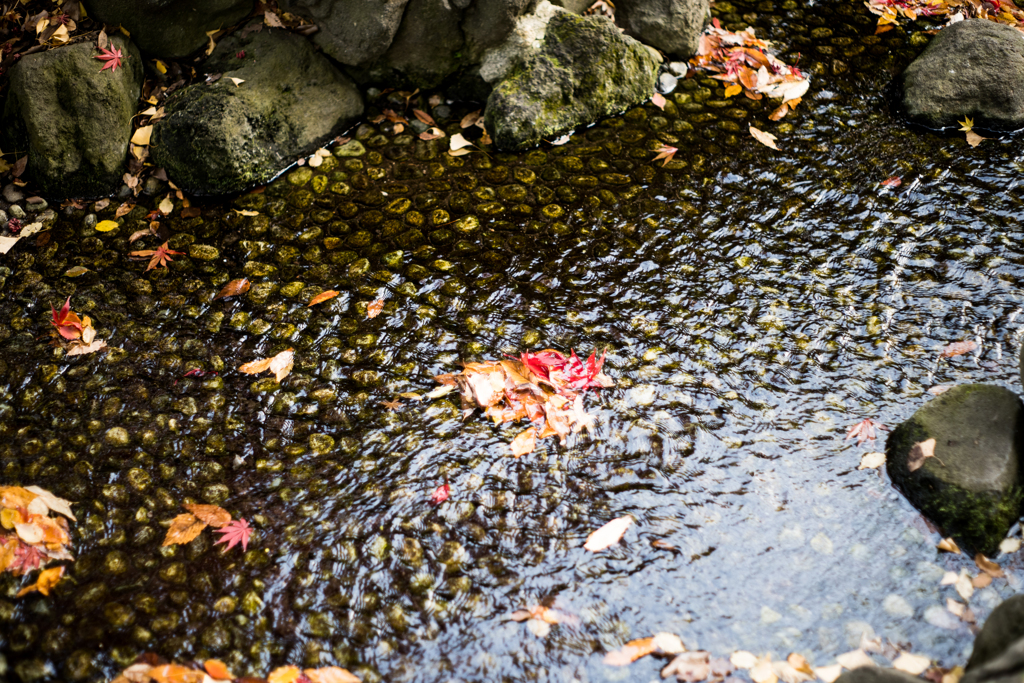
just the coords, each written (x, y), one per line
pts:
(174, 673)
(106, 226)
(966, 124)
(142, 135)
(766, 139)
(183, 529)
(284, 674)
(46, 580)
(871, 461)
(331, 674)
(525, 442)
(15, 497)
(733, 90)
(948, 545)
(608, 535)
(160, 66)
(166, 206)
(989, 567)
(9, 517)
(915, 665)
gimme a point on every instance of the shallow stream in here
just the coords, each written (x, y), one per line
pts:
(755, 304)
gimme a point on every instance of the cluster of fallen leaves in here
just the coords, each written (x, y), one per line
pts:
(76, 335)
(30, 538)
(890, 12)
(149, 668)
(544, 387)
(741, 60)
(185, 527)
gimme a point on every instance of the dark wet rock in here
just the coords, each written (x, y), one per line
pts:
(974, 68)
(354, 32)
(971, 488)
(169, 28)
(672, 26)
(874, 674)
(584, 70)
(1002, 630)
(575, 6)
(489, 22)
(219, 137)
(74, 119)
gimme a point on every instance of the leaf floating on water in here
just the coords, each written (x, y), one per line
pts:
(217, 669)
(432, 134)
(1009, 545)
(989, 567)
(763, 672)
(830, 673)
(893, 182)
(58, 505)
(45, 582)
(665, 152)
(662, 544)
(871, 461)
(412, 396)
(322, 297)
(733, 90)
(964, 586)
(981, 581)
(284, 674)
(855, 659)
(630, 652)
(864, 431)
(948, 545)
(440, 391)
(280, 365)
(766, 139)
(689, 666)
(742, 659)
(440, 494)
(920, 452)
(958, 348)
(940, 389)
(213, 515)
(184, 528)
(235, 533)
(374, 308)
(106, 226)
(391, 405)
(525, 442)
(76, 271)
(608, 535)
(331, 674)
(914, 665)
(233, 288)
(973, 139)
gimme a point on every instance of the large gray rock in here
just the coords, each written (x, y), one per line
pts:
(169, 28)
(73, 118)
(488, 23)
(974, 68)
(874, 674)
(672, 26)
(585, 69)
(354, 32)
(426, 49)
(971, 488)
(1001, 635)
(219, 137)
(1006, 667)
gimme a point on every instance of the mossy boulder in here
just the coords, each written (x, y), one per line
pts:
(974, 68)
(223, 137)
(672, 26)
(584, 70)
(74, 120)
(169, 28)
(971, 488)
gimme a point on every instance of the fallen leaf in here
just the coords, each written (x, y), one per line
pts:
(111, 57)
(948, 579)
(940, 389)
(893, 181)
(958, 348)
(855, 659)
(458, 142)
(213, 515)
(123, 210)
(957, 608)
(688, 666)
(439, 392)
(779, 113)
(964, 586)
(871, 461)
(973, 139)
(630, 652)
(106, 226)
(953, 675)
(912, 664)
(184, 528)
(322, 297)
(374, 308)
(981, 581)
(235, 533)
(967, 124)
(78, 348)
(864, 431)
(142, 136)
(989, 567)
(432, 134)
(800, 663)
(280, 365)
(236, 81)
(787, 673)
(668, 644)
(76, 271)
(46, 580)
(331, 674)
(160, 256)
(247, 212)
(1009, 545)
(166, 205)
(217, 669)
(658, 100)
(733, 90)
(440, 494)
(742, 659)
(763, 672)
(920, 452)
(58, 505)
(828, 674)
(391, 405)
(665, 152)
(948, 545)
(284, 674)
(764, 138)
(424, 117)
(233, 288)
(174, 673)
(662, 544)
(525, 442)
(608, 535)
(412, 396)
(471, 119)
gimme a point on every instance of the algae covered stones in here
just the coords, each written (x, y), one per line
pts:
(73, 118)
(224, 136)
(971, 487)
(974, 68)
(584, 70)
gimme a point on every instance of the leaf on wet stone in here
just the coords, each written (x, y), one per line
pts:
(871, 460)
(989, 567)
(76, 271)
(958, 349)
(964, 586)
(184, 528)
(665, 152)
(1009, 545)
(855, 659)
(212, 515)
(733, 90)
(160, 256)
(412, 396)
(233, 288)
(331, 674)
(762, 671)
(911, 663)
(940, 389)
(440, 494)
(973, 139)
(175, 673)
(280, 365)
(431, 134)
(766, 139)
(77, 348)
(142, 135)
(322, 297)
(830, 673)
(374, 308)
(47, 579)
(608, 535)
(106, 226)
(689, 666)
(981, 581)
(424, 117)
(166, 205)
(957, 608)
(658, 100)
(892, 181)
(668, 644)
(391, 405)
(217, 669)
(920, 452)
(525, 442)
(742, 659)
(439, 392)
(630, 652)
(948, 545)
(458, 142)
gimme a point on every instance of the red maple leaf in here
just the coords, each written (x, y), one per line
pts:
(864, 431)
(112, 57)
(440, 494)
(68, 324)
(238, 531)
(26, 558)
(161, 256)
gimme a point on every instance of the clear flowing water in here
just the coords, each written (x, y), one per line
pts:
(754, 304)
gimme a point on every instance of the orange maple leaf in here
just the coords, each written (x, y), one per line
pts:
(161, 256)
(665, 152)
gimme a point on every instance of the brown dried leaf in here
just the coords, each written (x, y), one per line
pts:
(374, 308)
(630, 652)
(920, 452)
(958, 348)
(46, 580)
(233, 288)
(948, 545)
(766, 139)
(525, 442)
(183, 529)
(175, 673)
(779, 113)
(608, 535)
(981, 581)
(471, 119)
(973, 139)
(322, 297)
(217, 669)
(213, 515)
(331, 674)
(424, 117)
(280, 365)
(989, 567)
